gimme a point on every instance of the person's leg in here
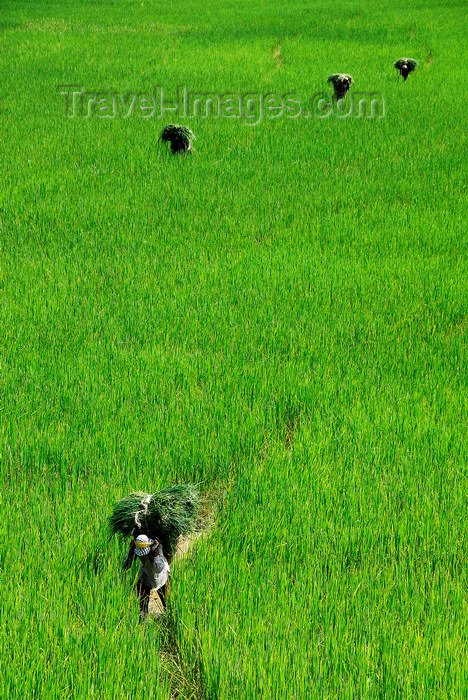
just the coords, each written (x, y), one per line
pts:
(143, 593)
(162, 592)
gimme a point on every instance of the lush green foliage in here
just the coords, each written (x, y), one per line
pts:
(167, 514)
(281, 316)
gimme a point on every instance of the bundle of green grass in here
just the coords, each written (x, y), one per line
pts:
(179, 137)
(167, 514)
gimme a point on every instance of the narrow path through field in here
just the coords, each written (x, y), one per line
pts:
(155, 607)
(185, 681)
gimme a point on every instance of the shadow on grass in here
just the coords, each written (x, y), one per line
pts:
(184, 671)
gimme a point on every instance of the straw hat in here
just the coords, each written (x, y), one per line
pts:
(143, 545)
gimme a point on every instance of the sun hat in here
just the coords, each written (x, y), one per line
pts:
(143, 545)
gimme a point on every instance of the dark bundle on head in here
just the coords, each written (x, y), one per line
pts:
(406, 66)
(341, 84)
(179, 137)
(167, 515)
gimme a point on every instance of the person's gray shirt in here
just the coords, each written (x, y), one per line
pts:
(154, 572)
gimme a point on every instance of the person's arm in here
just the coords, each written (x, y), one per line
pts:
(155, 547)
(130, 556)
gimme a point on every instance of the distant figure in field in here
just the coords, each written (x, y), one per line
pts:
(406, 66)
(341, 84)
(154, 570)
(179, 137)
(155, 522)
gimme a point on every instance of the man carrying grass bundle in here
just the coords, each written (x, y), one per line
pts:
(154, 570)
(155, 521)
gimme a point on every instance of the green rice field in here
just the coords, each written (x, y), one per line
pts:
(280, 316)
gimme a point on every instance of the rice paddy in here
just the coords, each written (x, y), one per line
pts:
(279, 316)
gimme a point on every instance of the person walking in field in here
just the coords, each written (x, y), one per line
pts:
(154, 570)
(155, 522)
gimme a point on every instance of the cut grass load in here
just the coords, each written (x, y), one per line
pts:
(179, 137)
(167, 515)
(341, 83)
(406, 66)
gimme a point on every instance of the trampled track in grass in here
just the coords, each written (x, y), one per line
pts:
(281, 315)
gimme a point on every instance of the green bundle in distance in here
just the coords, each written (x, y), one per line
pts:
(167, 514)
(406, 66)
(179, 137)
(341, 84)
